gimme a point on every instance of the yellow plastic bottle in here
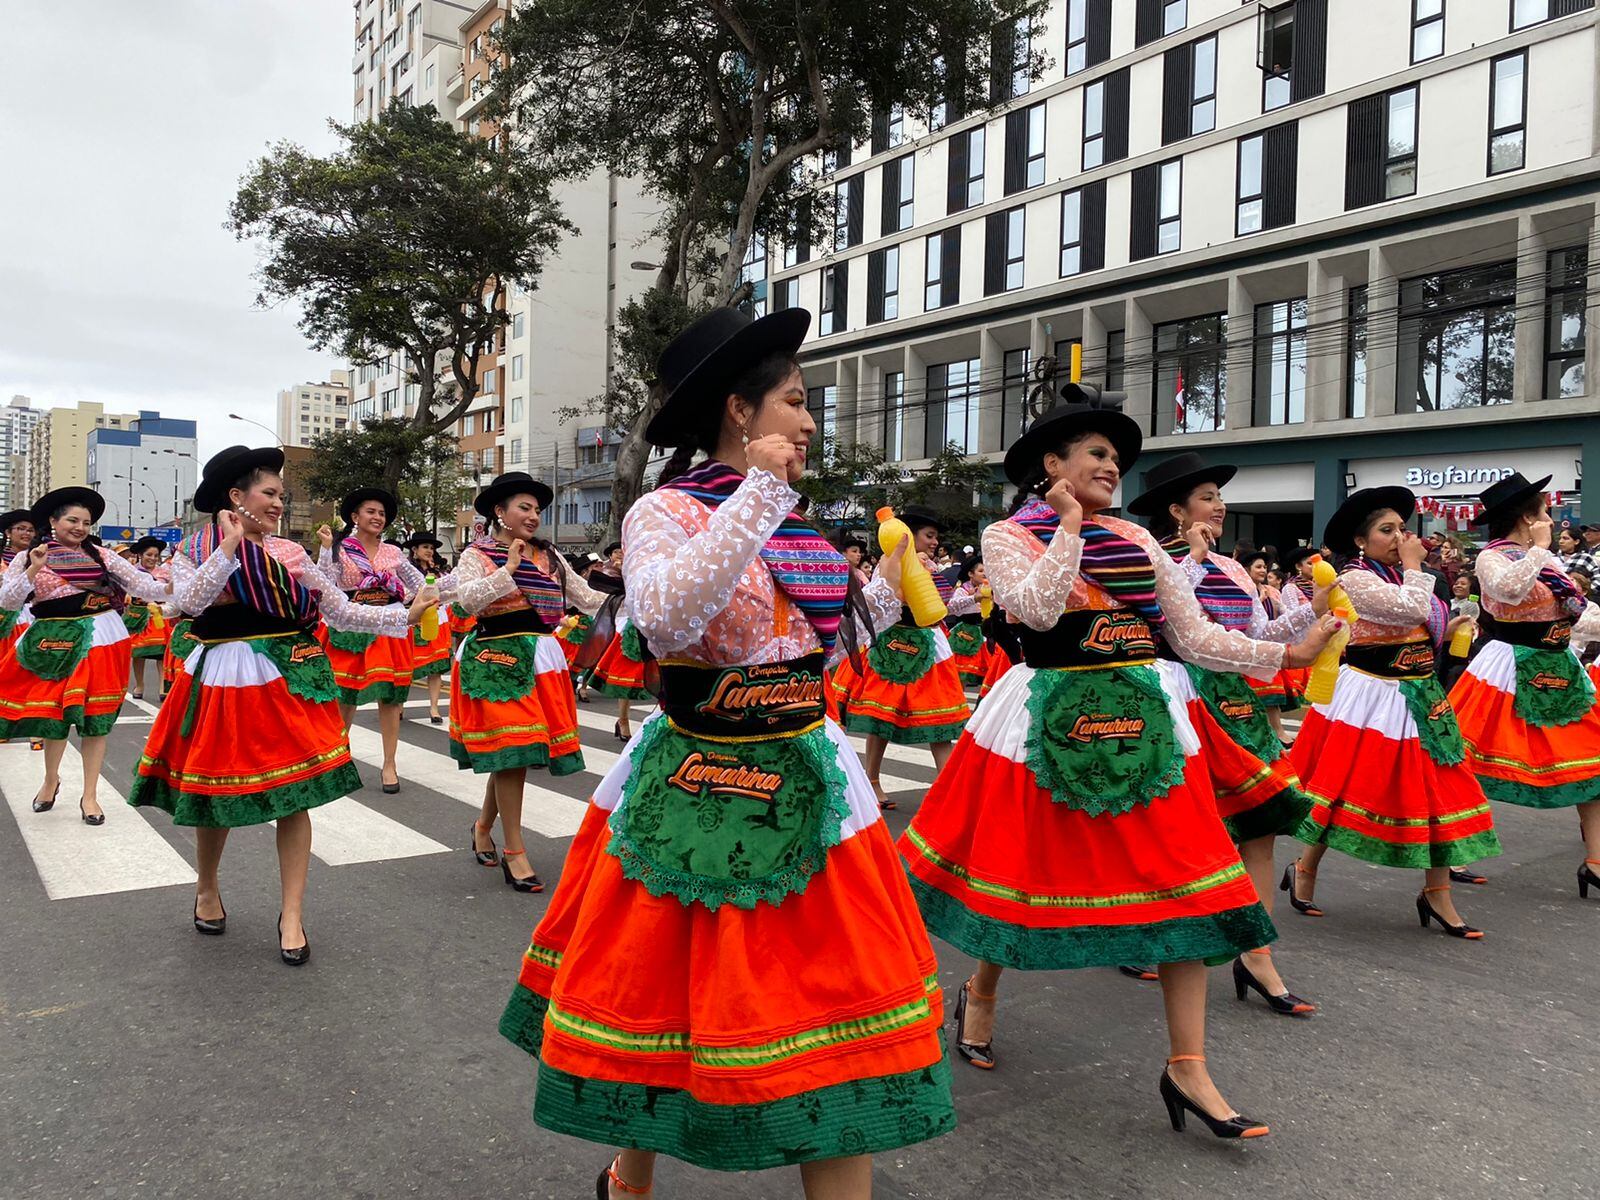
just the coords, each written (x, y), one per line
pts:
(1325, 671)
(1461, 639)
(157, 621)
(430, 619)
(985, 600)
(916, 585)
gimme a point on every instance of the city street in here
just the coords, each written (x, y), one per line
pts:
(139, 1059)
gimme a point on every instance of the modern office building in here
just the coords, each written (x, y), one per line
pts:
(17, 420)
(1338, 244)
(312, 408)
(146, 471)
(58, 445)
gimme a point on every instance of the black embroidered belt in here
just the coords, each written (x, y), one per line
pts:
(744, 701)
(1090, 638)
(1392, 660)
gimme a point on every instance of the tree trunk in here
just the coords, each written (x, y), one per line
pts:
(627, 485)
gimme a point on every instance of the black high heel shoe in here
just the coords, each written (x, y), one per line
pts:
(1178, 1105)
(1465, 875)
(299, 955)
(1291, 876)
(979, 1054)
(616, 732)
(1425, 911)
(1288, 1003)
(531, 884)
(48, 804)
(209, 925)
(98, 818)
(486, 858)
(1142, 973)
(1587, 878)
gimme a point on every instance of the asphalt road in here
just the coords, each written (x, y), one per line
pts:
(138, 1059)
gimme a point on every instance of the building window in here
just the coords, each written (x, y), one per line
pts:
(965, 185)
(1003, 251)
(894, 399)
(755, 260)
(942, 269)
(516, 408)
(1280, 362)
(1457, 339)
(1191, 374)
(1156, 224)
(1088, 34)
(516, 367)
(847, 214)
(1293, 52)
(518, 324)
(1024, 148)
(1116, 359)
(1094, 124)
(786, 294)
(516, 453)
(897, 126)
(1013, 393)
(899, 193)
(1531, 12)
(1071, 233)
(1427, 29)
(831, 317)
(602, 511)
(1277, 57)
(1381, 148)
(954, 390)
(1010, 60)
(883, 284)
(1157, 18)
(1189, 90)
(1566, 322)
(1248, 203)
(1508, 106)
(469, 425)
(824, 405)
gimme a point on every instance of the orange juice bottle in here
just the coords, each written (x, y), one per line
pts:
(921, 594)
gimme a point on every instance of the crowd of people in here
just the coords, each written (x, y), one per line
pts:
(738, 967)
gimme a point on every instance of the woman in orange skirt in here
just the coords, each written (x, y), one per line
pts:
(430, 657)
(1384, 762)
(1276, 694)
(968, 648)
(906, 689)
(732, 971)
(1526, 706)
(69, 669)
(511, 701)
(372, 667)
(147, 623)
(16, 537)
(619, 675)
(251, 732)
(1075, 824)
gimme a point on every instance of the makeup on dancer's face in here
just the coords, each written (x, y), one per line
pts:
(1205, 506)
(262, 504)
(1091, 467)
(520, 516)
(1383, 537)
(72, 526)
(150, 558)
(372, 517)
(852, 555)
(783, 411)
(925, 540)
(1258, 571)
(979, 576)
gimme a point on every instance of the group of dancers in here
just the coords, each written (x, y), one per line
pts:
(736, 968)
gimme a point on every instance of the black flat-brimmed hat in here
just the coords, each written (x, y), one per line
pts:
(227, 467)
(1340, 535)
(61, 498)
(1170, 482)
(1506, 494)
(512, 483)
(1291, 561)
(698, 367)
(1081, 409)
(15, 517)
(391, 503)
(917, 517)
(148, 543)
(1254, 556)
(422, 539)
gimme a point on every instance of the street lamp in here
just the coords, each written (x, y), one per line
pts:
(641, 265)
(155, 499)
(257, 424)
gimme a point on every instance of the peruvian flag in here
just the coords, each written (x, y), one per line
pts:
(1180, 423)
(599, 438)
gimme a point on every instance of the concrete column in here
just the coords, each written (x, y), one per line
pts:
(1094, 347)
(1139, 348)
(1239, 398)
(916, 409)
(869, 402)
(1327, 343)
(848, 381)
(1528, 377)
(1383, 331)
(992, 366)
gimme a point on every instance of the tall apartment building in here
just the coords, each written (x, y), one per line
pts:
(557, 351)
(17, 420)
(1337, 244)
(311, 408)
(146, 471)
(58, 445)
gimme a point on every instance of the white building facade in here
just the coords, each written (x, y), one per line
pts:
(1328, 242)
(312, 408)
(17, 420)
(146, 472)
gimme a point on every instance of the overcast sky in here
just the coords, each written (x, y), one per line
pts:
(124, 128)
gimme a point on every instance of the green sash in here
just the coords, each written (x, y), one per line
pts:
(902, 653)
(1436, 721)
(1102, 741)
(1552, 687)
(966, 639)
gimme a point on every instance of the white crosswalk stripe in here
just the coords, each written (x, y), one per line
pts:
(123, 855)
(345, 831)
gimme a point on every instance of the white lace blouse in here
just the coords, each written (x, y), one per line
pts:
(197, 587)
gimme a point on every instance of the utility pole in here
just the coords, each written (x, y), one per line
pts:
(555, 502)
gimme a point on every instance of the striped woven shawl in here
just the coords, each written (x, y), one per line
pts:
(1110, 561)
(259, 581)
(1225, 601)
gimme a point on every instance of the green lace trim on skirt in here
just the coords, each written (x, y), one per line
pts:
(1437, 729)
(1412, 856)
(1529, 795)
(1179, 939)
(902, 735)
(1283, 813)
(534, 755)
(1233, 702)
(499, 669)
(52, 729)
(254, 808)
(351, 642)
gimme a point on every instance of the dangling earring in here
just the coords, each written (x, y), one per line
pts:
(1361, 553)
(744, 436)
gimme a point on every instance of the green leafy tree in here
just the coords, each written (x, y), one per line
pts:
(432, 485)
(719, 105)
(402, 241)
(849, 481)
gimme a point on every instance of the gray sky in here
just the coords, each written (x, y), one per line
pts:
(124, 128)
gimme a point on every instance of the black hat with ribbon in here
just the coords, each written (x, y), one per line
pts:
(1081, 409)
(349, 505)
(1504, 496)
(52, 502)
(227, 467)
(1340, 535)
(1171, 481)
(512, 483)
(698, 367)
